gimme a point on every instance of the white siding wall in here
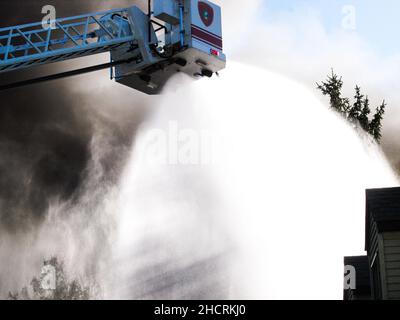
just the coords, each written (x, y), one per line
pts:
(391, 254)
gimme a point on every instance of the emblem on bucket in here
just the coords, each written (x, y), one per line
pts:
(206, 13)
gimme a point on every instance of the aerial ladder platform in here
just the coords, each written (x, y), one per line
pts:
(145, 49)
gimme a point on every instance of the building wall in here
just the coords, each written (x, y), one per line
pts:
(373, 238)
(390, 247)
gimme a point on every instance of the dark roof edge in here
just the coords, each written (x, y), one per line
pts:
(386, 221)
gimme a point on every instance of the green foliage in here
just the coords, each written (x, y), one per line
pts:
(375, 127)
(333, 88)
(354, 113)
(364, 116)
(64, 290)
(357, 113)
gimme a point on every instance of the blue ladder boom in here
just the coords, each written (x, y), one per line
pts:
(30, 44)
(146, 49)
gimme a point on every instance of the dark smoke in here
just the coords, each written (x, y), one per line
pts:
(44, 151)
(46, 130)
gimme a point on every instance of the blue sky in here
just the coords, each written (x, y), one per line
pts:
(377, 22)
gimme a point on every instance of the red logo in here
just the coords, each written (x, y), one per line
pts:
(206, 13)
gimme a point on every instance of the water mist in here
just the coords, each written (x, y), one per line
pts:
(268, 213)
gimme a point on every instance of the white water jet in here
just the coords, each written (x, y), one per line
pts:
(271, 216)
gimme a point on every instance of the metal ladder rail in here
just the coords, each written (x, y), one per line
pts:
(29, 45)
